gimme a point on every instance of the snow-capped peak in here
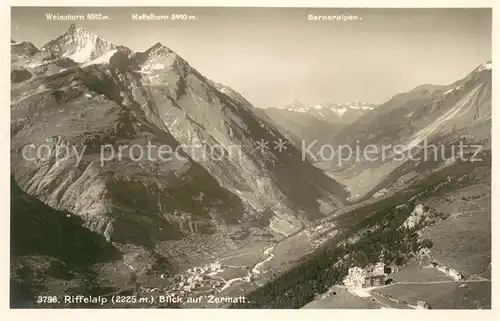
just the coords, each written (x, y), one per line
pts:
(357, 105)
(337, 109)
(486, 66)
(79, 45)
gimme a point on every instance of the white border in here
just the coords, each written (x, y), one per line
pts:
(242, 315)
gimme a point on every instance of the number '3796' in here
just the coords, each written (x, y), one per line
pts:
(46, 299)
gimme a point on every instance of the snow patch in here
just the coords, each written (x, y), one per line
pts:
(155, 66)
(238, 191)
(486, 66)
(448, 91)
(83, 54)
(339, 111)
(150, 68)
(318, 107)
(103, 59)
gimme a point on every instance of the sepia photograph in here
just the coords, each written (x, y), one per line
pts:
(250, 158)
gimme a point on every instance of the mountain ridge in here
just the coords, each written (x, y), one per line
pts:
(153, 93)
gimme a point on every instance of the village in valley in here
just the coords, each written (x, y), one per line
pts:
(421, 282)
(200, 280)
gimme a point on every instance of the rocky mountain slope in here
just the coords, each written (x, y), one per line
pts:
(303, 128)
(83, 93)
(434, 207)
(50, 247)
(78, 45)
(428, 114)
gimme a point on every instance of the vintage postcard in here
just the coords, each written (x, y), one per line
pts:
(223, 157)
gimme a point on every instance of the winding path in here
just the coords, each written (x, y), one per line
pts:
(255, 269)
(268, 251)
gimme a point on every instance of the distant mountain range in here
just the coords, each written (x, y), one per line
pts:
(80, 90)
(321, 122)
(439, 193)
(336, 113)
(440, 114)
(139, 218)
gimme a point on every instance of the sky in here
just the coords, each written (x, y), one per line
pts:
(274, 56)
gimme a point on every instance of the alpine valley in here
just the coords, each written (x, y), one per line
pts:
(255, 221)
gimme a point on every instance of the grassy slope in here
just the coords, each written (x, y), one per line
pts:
(343, 299)
(413, 273)
(464, 241)
(298, 284)
(443, 295)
